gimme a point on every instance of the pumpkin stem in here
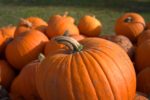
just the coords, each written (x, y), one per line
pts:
(26, 22)
(71, 43)
(41, 57)
(65, 14)
(128, 19)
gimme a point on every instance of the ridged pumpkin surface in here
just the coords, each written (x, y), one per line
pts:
(145, 35)
(100, 71)
(25, 48)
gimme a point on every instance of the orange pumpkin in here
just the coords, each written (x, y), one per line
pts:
(130, 25)
(31, 23)
(7, 74)
(25, 48)
(122, 41)
(6, 33)
(90, 26)
(57, 25)
(78, 37)
(142, 56)
(141, 96)
(91, 69)
(23, 87)
(145, 35)
(143, 81)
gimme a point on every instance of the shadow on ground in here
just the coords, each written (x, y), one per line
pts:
(128, 5)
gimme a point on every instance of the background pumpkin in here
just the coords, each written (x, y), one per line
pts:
(130, 25)
(142, 56)
(122, 41)
(90, 26)
(145, 35)
(148, 25)
(31, 23)
(143, 81)
(59, 25)
(25, 48)
(99, 70)
(23, 87)
(7, 74)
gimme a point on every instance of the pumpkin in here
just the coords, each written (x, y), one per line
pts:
(90, 26)
(25, 48)
(141, 96)
(7, 74)
(143, 81)
(78, 37)
(122, 41)
(57, 25)
(148, 25)
(6, 34)
(91, 69)
(142, 56)
(31, 23)
(130, 25)
(23, 87)
(145, 35)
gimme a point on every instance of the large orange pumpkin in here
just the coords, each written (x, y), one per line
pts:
(31, 23)
(91, 69)
(7, 74)
(143, 81)
(25, 48)
(57, 25)
(145, 35)
(90, 26)
(142, 56)
(6, 34)
(23, 87)
(130, 25)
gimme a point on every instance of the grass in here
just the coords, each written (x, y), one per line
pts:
(105, 10)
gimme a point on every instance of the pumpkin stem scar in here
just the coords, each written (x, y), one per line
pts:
(71, 43)
(128, 20)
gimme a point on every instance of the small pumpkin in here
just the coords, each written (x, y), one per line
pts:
(93, 67)
(122, 41)
(90, 26)
(145, 35)
(23, 87)
(143, 81)
(57, 25)
(6, 34)
(7, 74)
(141, 96)
(25, 48)
(130, 25)
(31, 23)
(142, 55)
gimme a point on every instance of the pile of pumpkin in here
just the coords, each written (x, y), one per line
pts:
(59, 60)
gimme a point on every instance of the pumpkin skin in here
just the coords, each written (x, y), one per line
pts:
(142, 56)
(141, 96)
(143, 81)
(147, 25)
(145, 35)
(25, 48)
(90, 26)
(31, 23)
(23, 87)
(78, 37)
(58, 25)
(130, 25)
(7, 74)
(90, 72)
(123, 42)
(6, 33)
